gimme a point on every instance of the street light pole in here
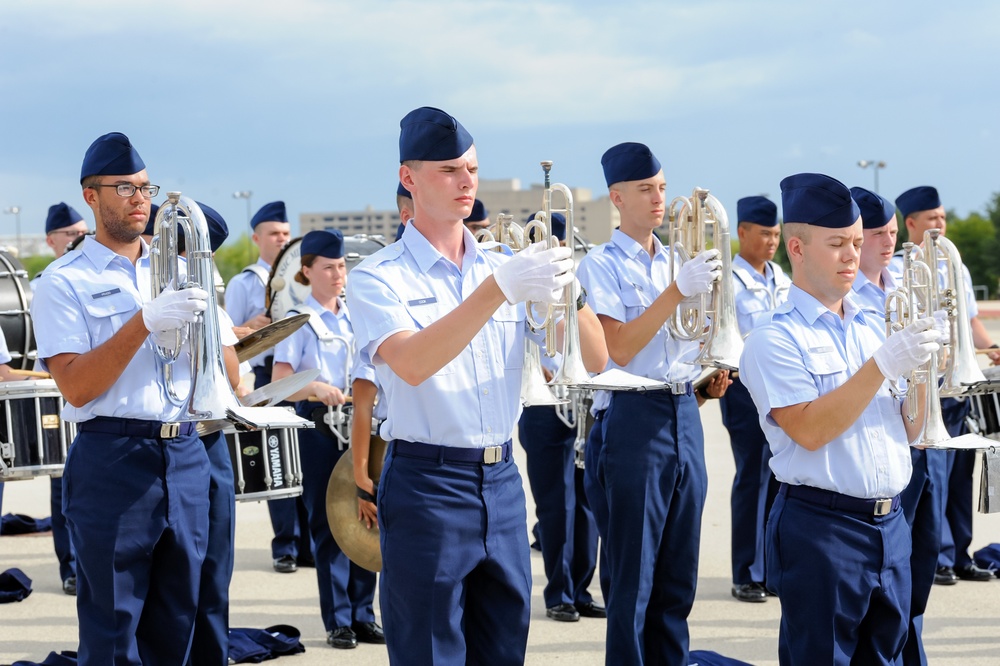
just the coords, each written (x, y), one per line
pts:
(246, 194)
(875, 165)
(16, 212)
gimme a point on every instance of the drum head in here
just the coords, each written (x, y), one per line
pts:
(15, 312)
(360, 544)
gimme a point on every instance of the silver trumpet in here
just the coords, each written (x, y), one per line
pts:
(339, 418)
(916, 298)
(709, 318)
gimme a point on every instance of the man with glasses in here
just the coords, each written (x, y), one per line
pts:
(63, 226)
(136, 479)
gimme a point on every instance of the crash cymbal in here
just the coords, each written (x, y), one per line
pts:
(278, 390)
(267, 337)
(360, 544)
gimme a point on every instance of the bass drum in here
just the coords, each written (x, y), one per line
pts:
(283, 293)
(15, 312)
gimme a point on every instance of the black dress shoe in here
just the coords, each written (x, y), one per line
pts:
(305, 562)
(945, 576)
(751, 592)
(369, 632)
(285, 564)
(591, 610)
(972, 572)
(342, 638)
(69, 586)
(563, 613)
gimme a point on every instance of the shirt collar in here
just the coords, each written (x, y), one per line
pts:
(320, 310)
(811, 309)
(738, 260)
(631, 246)
(101, 255)
(426, 255)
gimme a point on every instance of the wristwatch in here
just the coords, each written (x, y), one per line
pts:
(581, 299)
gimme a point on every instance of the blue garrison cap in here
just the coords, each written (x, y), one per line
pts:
(61, 215)
(403, 192)
(758, 210)
(327, 243)
(558, 226)
(399, 230)
(149, 231)
(111, 155)
(270, 212)
(218, 230)
(917, 199)
(479, 212)
(812, 198)
(431, 134)
(876, 210)
(629, 161)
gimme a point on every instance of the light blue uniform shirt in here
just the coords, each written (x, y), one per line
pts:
(754, 294)
(474, 400)
(364, 370)
(896, 268)
(622, 280)
(303, 350)
(869, 295)
(245, 300)
(83, 299)
(806, 351)
(5, 356)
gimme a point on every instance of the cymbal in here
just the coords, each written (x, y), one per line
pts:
(264, 338)
(360, 544)
(278, 390)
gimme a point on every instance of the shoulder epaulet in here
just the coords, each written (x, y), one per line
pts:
(387, 253)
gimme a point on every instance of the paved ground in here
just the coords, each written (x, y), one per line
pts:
(961, 626)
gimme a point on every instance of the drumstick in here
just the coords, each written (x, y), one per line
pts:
(30, 373)
(987, 351)
(347, 399)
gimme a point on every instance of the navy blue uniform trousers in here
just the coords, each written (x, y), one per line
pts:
(346, 591)
(844, 583)
(568, 533)
(289, 519)
(597, 498)
(211, 625)
(456, 574)
(956, 530)
(63, 545)
(137, 509)
(754, 487)
(653, 463)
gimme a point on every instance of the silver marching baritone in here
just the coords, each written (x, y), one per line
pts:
(339, 418)
(211, 398)
(709, 318)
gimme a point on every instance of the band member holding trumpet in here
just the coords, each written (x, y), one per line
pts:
(440, 318)
(567, 532)
(137, 477)
(245, 303)
(652, 464)
(839, 437)
(346, 591)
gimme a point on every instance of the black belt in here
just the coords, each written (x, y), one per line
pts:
(836, 501)
(456, 454)
(137, 427)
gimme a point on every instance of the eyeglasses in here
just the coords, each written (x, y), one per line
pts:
(72, 233)
(127, 189)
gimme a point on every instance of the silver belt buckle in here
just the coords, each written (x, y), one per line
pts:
(170, 430)
(883, 507)
(492, 455)
(678, 388)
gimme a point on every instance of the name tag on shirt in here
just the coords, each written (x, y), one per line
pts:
(102, 294)
(423, 301)
(821, 350)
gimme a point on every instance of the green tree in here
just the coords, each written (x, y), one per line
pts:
(976, 240)
(34, 265)
(235, 255)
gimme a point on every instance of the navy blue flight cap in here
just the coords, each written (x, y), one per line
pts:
(61, 215)
(558, 226)
(403, 192)
(917, 199)
(876, 210)
(111, 155)
(327, 243)
(153, 208)
(431, 134)
(479, 212)
(218, 230)
(812, 198)
(270, 212)
(629, 161)
(399, 230)
(758, 210)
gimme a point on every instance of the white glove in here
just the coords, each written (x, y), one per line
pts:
(908, 349)
(172, 309)
(942, 326)
(169, 339)
(697, 274)
(538, 273)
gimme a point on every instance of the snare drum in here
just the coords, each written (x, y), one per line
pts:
(265, 463)
(33, 436)
(15, 312)
(985, 414)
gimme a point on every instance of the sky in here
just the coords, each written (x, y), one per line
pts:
(300, 100)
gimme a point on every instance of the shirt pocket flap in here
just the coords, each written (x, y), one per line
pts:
(633, 296)
(825, 363)
(750, 305)
(509, 312)
(109, 303)
(424, 311)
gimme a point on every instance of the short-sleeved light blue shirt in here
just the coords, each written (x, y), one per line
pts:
(366, 371)
(805, 351)
(80, 302)
(756, 294)
(474, 400)
(245, 300)
(303, 350)
(869, 295)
